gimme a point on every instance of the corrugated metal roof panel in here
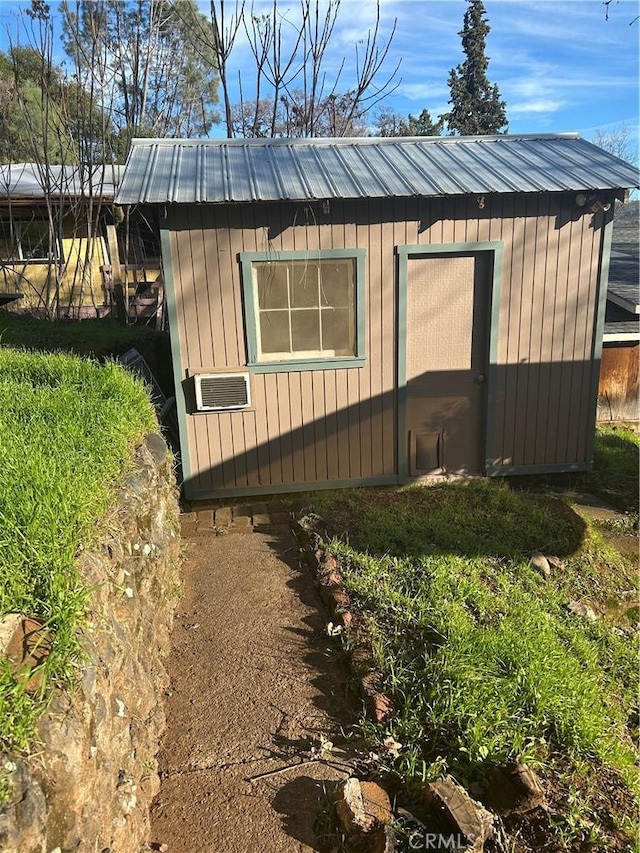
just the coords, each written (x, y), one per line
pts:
(32, 181)
(223, 170)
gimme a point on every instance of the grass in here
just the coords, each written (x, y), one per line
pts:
(67, 429)
(100, 339)
(616, 463)
(481, 656)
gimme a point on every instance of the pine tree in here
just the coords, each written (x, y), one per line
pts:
(476, 105)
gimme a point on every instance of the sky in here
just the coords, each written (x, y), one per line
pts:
(559, 64)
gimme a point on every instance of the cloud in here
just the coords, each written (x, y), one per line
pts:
(539, 106)
(423, 92)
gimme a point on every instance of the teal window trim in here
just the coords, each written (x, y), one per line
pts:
(403, 254)
(247, 259)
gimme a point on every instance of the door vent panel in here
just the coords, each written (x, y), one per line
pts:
(217, 392)
(426, 453)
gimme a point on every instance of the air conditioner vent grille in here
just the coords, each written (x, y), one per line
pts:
(222, 391)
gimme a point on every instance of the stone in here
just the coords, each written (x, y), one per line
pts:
(242, 511)
(328, 564)
(556, 562)
(157, 447)
(513, 789)
(241, 522)
(379, 706)
(136, 484)
(331, 579)
(309, 523)
(362, 806)
(383, 840)
(89, 683)
(580, 608)
(205, 518)
(270, 519)
(376, 802)
(28, 648)
(540, 562)
(473, 821)
(340, 599)
(223, 516)
(8, 626)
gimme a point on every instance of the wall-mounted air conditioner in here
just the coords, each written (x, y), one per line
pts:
(216, 392)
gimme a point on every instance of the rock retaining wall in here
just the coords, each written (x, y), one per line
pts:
(88, 787)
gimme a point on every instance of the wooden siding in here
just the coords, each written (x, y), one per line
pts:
(619, 388)
(328, 425)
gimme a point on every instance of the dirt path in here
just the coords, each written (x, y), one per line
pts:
(251, 690)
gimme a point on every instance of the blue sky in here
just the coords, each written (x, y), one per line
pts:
(559, 64)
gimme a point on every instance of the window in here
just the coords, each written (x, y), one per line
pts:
(24, 241)
(304, 308)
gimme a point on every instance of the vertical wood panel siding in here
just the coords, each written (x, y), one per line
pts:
(340, 424)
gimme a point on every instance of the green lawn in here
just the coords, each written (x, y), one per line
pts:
(67, 430)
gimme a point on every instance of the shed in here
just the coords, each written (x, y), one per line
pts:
(45, 251)
(59, 246)
(368, 311)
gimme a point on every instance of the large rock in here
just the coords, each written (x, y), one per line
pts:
(514, 789)
(362, 807)
(469, 817)
(541, 563)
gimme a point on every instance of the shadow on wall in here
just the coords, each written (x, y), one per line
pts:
(529, 415)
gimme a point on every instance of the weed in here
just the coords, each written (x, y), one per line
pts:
(325, 826)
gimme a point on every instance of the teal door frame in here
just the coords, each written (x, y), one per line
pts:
(404, 253)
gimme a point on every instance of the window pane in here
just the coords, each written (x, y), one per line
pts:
(305, 330)
(338, 330)
(304, 284)
(7, 243)
(272, 285)
(34, 239)
(274, 331)
(337, 280)
(306, 308)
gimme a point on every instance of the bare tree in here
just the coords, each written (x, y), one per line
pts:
(290, 71)
(617, 140)
(68, 145)
(622, 141)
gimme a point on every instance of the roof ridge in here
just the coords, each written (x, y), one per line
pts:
(349, 140)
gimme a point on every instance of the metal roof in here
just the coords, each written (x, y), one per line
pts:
(22, 181)
(620, 325)
(624, 280)
(224, 170)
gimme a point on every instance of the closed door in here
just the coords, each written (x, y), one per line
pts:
(447, 299)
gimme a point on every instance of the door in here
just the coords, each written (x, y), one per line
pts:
(447, 307)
